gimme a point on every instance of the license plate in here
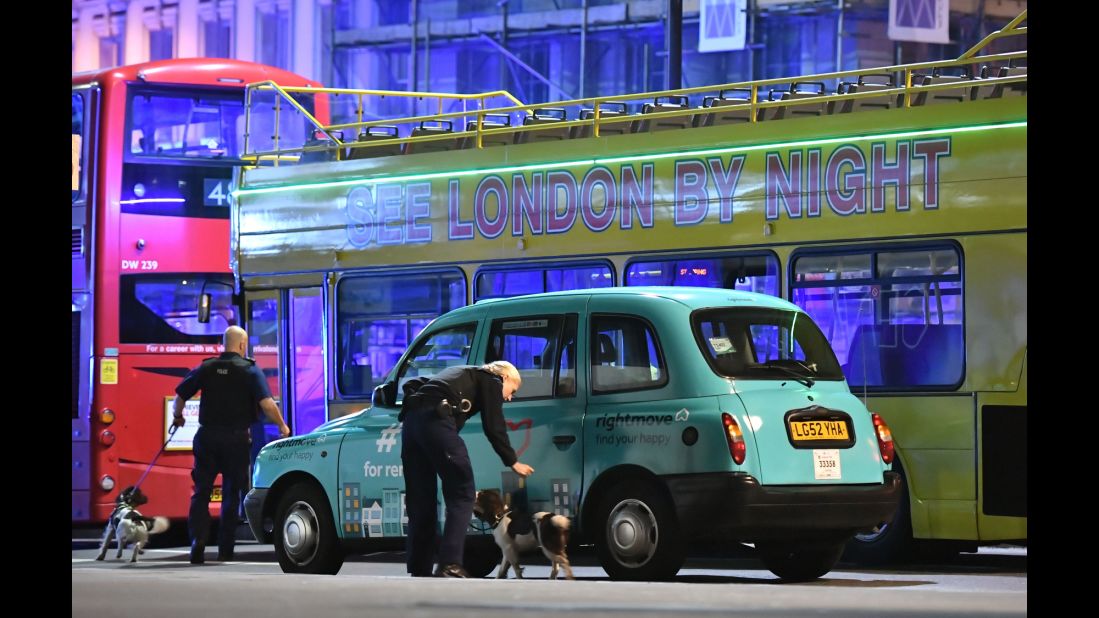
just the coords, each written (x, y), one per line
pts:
(807, 431)
(216, 495)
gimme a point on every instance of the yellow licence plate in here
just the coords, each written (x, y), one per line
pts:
(216, 495)
(818, 430)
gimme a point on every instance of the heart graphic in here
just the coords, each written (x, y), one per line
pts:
(526, 422)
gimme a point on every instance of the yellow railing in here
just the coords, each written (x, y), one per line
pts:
(1012, 29)
(598, 104)
(284, 95)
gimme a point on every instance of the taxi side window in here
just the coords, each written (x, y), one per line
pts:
(441, 349)
(542, 348)
(625, 355)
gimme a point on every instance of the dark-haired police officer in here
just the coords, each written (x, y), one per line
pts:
(232, 388)
(434, 411)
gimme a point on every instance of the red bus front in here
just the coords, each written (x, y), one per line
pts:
(154, 148)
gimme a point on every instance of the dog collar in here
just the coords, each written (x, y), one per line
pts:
(500, 518)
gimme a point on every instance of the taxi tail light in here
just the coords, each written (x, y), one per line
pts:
(737, 447)
(885, 438)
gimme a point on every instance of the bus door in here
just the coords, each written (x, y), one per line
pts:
(262, 314)
(304, 381)
(85, 114)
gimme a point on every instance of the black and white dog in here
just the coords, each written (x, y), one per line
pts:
(516, 533)
(130, 526)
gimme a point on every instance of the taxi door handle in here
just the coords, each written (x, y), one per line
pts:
(564, 440)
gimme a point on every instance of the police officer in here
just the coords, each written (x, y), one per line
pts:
(232, 388)
(433, 412)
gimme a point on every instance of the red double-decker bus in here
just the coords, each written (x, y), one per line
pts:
(154, 147)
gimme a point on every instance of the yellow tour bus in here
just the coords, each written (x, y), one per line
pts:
(888, 203)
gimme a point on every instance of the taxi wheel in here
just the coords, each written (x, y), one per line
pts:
(305, 535)
(888, 542)
(795, 564)
(639, 535)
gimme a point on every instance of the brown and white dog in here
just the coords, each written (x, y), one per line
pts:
(516, 533)
(130, 526)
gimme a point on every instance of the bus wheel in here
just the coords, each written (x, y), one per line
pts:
(639, 538)
(481, 556)
(794, 564)
(305, 535)
(888, 542)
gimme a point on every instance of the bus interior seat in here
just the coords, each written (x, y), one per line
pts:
(544, 116)
(798, 91)
(728, 107)
(1010, 90)
(375, 134)
(773, 113)
(905, 355)
(863, 365)
(319, 140)
(938, 97)
(866, 83)
(663, 104)
(490, 122)
(607, 109)
(431, 128)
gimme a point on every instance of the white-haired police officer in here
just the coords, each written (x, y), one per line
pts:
(434, 411)
(233, 388)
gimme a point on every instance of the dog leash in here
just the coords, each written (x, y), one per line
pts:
(171, 432)
(484, 527)
(481, 526)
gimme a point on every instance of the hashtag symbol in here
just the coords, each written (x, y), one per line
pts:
(388, 439)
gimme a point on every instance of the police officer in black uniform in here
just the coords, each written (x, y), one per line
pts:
(232, 388)
(434, 411)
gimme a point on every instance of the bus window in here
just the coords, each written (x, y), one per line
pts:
(931, 298)
(164, 309)
(378, 316)
(562, 279)
(757, 273)
(503, 283)
(263, 325)
(78, 139)
(185, 125)
(894, 318)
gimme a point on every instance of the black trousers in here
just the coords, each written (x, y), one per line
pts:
(430, 449)
(225, 451)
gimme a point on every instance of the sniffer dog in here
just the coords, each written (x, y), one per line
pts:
(130, 526)
(516, 533)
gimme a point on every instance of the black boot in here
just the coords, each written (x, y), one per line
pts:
(451, 570)
(198, 553)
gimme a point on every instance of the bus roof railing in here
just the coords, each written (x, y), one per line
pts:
(285, 94)
(904, 89)
(1011, 29)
